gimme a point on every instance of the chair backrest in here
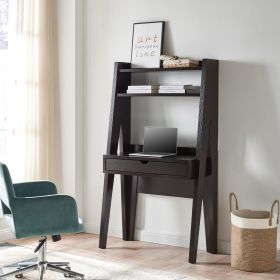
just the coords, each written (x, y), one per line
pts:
(7, 193)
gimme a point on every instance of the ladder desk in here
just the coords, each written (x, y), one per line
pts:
(192, 173)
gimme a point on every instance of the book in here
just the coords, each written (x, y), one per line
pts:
(174, 87)
(172, 91)
(181, 60)
(179, 65)
(143, 87)
(132, 91)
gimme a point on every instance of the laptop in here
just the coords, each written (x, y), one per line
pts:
(158, 142)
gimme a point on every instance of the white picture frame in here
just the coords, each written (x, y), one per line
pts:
(147, 44)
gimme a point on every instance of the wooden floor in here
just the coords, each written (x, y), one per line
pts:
(153, 256)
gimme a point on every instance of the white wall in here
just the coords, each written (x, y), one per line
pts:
(244, 36)
(70, 38)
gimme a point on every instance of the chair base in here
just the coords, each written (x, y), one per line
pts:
(42, 266)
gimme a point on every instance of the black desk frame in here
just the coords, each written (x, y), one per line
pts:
(193, 174)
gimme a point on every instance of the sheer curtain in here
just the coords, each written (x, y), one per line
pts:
(33, 114)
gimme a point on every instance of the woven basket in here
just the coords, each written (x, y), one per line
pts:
(253, 238)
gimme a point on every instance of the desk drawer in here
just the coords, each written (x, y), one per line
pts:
(146, 167)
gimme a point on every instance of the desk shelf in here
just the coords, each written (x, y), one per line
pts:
(193, 173)
(146, 70)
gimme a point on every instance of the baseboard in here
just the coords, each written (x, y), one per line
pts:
(5, 235)
(167, 239)
(224, 247)
(154, 237)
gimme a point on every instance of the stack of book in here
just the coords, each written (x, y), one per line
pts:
(177, 89)
(142, 89)
(154, 89)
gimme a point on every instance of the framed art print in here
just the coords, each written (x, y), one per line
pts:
(147, 44)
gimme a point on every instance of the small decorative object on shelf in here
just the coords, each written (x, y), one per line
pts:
(176, 62)
(147, 44)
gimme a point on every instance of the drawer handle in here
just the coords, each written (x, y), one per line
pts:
(144, 161)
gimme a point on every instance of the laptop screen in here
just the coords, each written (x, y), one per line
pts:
(160, 140)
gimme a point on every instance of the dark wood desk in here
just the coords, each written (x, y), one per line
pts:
(193, 173)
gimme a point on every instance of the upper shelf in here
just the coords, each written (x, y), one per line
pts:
(145, 70)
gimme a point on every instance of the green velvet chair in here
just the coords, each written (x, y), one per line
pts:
(35, 209)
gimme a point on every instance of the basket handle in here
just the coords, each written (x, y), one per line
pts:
(271, 212)
(230, 201)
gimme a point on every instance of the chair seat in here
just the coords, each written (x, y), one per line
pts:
(8, 218)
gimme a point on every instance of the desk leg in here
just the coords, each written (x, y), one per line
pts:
(106, 207)
(210, 202)
(196, 213)
(129, 203)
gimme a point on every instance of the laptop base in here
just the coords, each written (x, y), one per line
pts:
(158, 155)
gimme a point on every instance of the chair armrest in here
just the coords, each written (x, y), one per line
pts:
(30, 189)
(46, 215)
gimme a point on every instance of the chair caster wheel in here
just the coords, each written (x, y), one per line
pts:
(19, 275)
(68, 275)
